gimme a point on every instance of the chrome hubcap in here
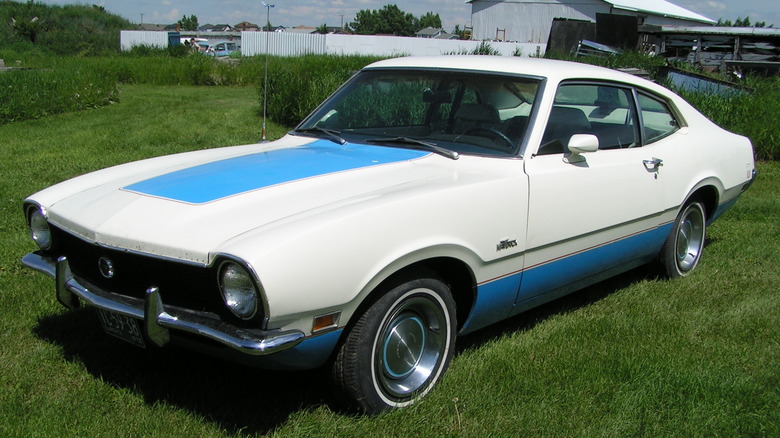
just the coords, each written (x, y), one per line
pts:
(690, 237)
(411, 346)
(403, 347)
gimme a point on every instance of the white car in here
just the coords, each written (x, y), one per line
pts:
(425, 199)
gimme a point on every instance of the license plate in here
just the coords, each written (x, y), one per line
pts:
(123, 327)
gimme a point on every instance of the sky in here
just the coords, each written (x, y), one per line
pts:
(290, 13)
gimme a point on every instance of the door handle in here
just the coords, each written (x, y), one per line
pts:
(653, 165)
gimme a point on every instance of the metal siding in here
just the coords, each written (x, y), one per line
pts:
(531, 21)
(130, 38)
(253, 43)
(534, 19)
(297, 44)
(282, 43)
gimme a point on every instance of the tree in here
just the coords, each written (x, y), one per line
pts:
(188, 23)
(323, 29)
(429, 20)
(388, 20)
(741, 22)
(461, 33)
(27, 29)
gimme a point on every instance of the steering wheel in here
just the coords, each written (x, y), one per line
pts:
(495, 132)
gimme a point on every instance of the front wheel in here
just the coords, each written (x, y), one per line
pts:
(683, 248)
(399, 348)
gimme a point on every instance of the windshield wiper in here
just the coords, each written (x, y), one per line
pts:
(330, 134)
(417, 144)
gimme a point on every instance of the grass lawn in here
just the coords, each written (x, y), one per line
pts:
(633, 356)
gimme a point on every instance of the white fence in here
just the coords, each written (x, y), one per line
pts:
(130, 38)
(296, 44)
(290, 44)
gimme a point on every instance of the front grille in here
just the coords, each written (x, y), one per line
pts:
(181, 284)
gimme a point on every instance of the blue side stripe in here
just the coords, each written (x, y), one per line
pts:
(212, 181)
(500, 298)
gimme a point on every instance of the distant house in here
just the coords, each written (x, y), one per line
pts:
(302, 29)
(334, 29)
(433, 33)
(531, 20)
(215, 28)
(152, 27)
(246, 26)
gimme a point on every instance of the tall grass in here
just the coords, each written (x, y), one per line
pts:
(31, 94)
(753, 114)
(151, 67)
(297, 85)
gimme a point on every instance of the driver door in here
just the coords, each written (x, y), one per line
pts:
(592, 213)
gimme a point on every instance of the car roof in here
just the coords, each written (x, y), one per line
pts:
(548, 68)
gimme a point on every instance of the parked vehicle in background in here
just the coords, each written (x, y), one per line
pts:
(223, 48)
(426, 198)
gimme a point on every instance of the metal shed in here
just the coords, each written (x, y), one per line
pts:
(531, 21)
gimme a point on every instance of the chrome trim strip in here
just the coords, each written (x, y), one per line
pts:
(156, 317)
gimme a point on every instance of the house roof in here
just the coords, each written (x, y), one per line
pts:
(659, 7)
(654, 7)
(430, 31)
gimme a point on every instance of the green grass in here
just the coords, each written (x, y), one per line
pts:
(633, 356)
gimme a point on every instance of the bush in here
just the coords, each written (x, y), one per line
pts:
(70, 30)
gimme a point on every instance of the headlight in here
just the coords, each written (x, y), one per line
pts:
(238, 290)
(39, 229)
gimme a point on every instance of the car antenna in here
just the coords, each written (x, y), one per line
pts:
(265, 81)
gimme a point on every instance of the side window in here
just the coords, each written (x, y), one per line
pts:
(658, 121)
(602, 110)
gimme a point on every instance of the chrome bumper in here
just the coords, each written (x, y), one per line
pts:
(158, 319)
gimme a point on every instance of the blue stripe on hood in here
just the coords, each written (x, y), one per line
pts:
(220, 179)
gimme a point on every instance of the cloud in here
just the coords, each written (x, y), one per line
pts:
(170, 16)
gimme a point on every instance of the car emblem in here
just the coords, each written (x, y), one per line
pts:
(106, 267)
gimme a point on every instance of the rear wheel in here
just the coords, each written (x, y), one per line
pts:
(399, 348)
(683, 248)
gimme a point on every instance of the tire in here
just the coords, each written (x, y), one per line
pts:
(398, 349)
(682, 250)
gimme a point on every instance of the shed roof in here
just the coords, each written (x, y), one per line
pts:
(654, 7)
(659, 7)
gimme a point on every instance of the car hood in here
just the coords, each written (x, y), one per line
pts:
(184, 206)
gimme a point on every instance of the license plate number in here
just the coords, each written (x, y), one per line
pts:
(121, 326)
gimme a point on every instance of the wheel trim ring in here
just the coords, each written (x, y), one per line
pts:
(690, 238)
(428, 307)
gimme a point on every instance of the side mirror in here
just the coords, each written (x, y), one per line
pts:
(580, 144)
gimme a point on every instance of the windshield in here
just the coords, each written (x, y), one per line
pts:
(469, 113)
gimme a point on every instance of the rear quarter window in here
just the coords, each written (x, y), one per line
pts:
(658, 121)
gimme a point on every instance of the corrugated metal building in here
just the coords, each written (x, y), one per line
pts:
(131, 38)
(292, 44)
(530, 21)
